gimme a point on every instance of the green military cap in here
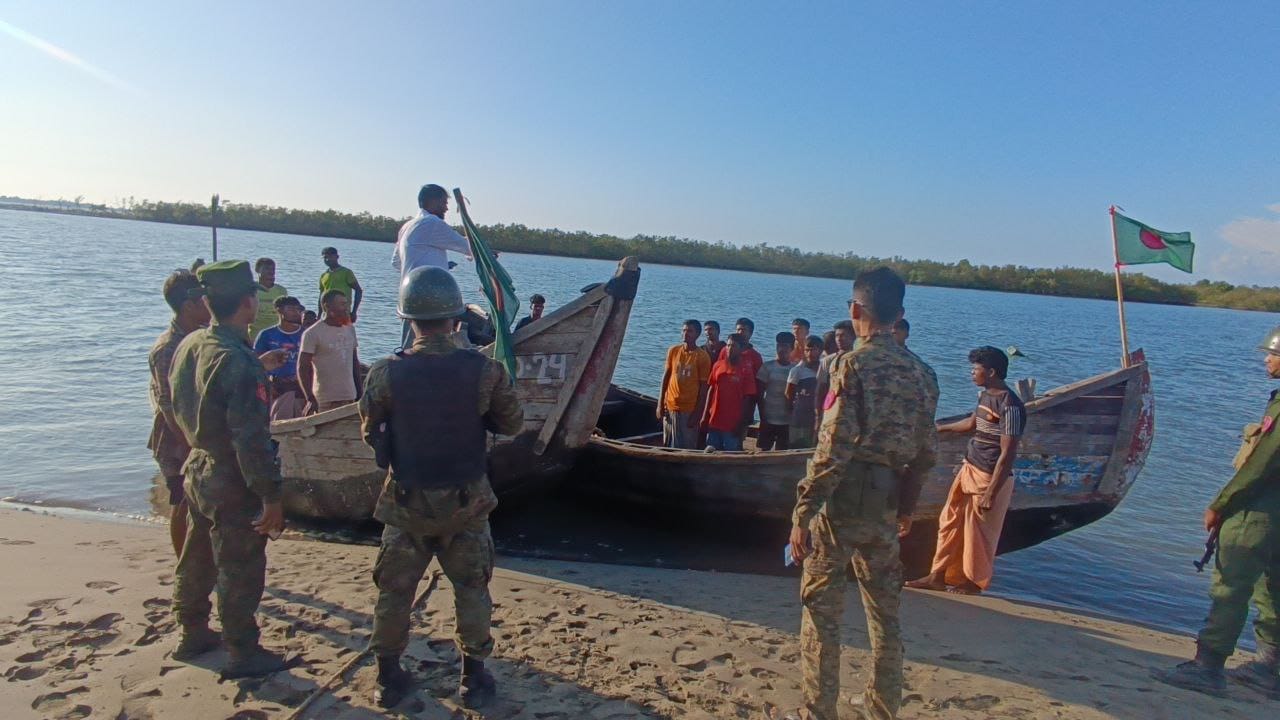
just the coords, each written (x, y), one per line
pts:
(1271, 343)
(227, 277)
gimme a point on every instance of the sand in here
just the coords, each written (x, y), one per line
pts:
(85, 631)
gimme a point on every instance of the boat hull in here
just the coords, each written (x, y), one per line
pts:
(563, 362)
(1082, 450)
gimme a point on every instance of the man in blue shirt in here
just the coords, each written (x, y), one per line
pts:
(286, 396)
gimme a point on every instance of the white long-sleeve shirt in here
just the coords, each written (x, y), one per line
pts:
(424, 240)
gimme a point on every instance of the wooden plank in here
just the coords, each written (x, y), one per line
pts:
(1064, 393)
(559, 315)
(548, 369)
(552, 342)
(326, 447)
(1092, 406)
(535, 391)
(603, 313)
(1124, 439)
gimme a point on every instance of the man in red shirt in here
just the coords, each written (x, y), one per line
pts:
(723, 414)
(748, 368)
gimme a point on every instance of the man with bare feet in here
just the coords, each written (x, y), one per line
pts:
(185, 296)
(1246, 517)
(876, 443)
(970, 524)
(426, 412)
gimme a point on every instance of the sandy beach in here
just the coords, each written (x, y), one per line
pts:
(85, 631)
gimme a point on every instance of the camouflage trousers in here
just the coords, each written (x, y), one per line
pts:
(872, 547)
(467, 560)
(1248, 565)
(222, 551)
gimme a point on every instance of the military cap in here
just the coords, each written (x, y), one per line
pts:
(1271, 343)
(227, 277)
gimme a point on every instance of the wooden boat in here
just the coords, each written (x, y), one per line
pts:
(564, 361)
(1083, 448)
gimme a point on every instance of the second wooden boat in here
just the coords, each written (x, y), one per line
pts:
(564, 361)
(1083, 448)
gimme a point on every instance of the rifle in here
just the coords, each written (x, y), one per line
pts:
(1210, 546)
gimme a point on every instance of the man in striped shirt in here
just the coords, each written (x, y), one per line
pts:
(970, 523)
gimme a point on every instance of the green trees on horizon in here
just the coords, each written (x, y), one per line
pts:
(1063, 281)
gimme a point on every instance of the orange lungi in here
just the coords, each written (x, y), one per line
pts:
(967, 538)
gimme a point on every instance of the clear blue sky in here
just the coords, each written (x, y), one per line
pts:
(997, 132)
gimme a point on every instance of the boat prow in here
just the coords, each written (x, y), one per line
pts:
(563, 360)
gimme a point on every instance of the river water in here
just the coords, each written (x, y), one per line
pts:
(80, 306)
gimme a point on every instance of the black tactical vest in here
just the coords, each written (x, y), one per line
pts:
(437, 433)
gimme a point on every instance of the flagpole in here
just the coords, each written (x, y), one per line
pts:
(1124, 330)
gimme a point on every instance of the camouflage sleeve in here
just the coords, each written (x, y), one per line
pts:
(926, 443)
(161, 360)
(1262, 467)
(375, 404)
(248, 420)
(835, 449)
(502, 412)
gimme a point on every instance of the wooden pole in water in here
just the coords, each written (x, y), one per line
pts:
(1124, 330)
(213, 223)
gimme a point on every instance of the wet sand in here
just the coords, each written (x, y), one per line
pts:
(85, 631)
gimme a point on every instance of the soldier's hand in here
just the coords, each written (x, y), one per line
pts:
(800, 543)
(1212, 519)
(904, 525)
(271, 521)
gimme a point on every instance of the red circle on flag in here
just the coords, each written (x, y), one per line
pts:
(1152, 240)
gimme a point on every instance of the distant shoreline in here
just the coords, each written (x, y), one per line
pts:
(682, 252)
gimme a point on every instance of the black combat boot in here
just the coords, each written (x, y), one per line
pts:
(394, 682)
(478, 686)
(1262, 673)
(253, 662)
(1203, 674)
(196, 640)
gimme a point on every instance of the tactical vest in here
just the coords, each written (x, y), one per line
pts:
(437, 435)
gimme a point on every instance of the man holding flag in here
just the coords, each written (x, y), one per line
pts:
(425, 241)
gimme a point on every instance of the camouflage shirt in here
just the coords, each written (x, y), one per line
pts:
(166, 443)
(219, 392)
(1256, 484)
(496, 400)
(879, 409)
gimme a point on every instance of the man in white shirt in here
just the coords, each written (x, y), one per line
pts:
(426, 240)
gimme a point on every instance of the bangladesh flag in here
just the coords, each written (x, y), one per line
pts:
(1138, 244)
(498, 289)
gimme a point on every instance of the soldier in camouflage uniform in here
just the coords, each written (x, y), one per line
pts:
(425, 412)
(1246, 514)
(853, 505)
(185, 296)
(232, 476)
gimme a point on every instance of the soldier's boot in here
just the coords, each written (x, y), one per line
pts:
(1204, 674)
(478, 686)
(1261, 674)
(394, 682)
(196, 640)
(253, 663)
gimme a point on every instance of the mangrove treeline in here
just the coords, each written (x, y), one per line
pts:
(1069, 282)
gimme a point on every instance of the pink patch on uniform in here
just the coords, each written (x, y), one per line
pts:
(1152, 240)
(829, 401)
(1268, 422)
(262, 393)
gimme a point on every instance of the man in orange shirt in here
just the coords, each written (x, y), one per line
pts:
(684, 389)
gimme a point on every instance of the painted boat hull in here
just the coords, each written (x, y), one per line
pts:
(1083, 448)
(564, 361)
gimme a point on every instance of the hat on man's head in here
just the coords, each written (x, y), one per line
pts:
(331, 250)
(227, 278)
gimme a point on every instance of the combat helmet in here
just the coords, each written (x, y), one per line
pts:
(1272, 342)
(429, 293)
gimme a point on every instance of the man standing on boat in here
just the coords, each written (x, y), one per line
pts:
(970, 523)
(684, 389)
(232, 475)
(185, 296)
(437, 499)
(425, 241)
(854, 502)
(1246, 517)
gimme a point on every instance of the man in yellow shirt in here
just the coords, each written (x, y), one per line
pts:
(268, 293)
(684, 389)
(337, 277)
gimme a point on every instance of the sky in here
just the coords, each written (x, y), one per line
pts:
(995, 132)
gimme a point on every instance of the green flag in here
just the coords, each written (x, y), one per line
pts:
(1138, 244)
(497, 287)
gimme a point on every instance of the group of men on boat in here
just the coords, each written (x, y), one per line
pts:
(876, 442)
